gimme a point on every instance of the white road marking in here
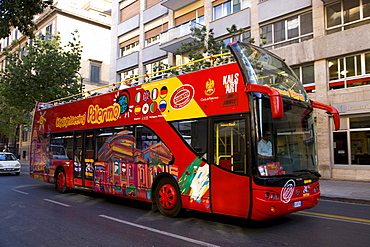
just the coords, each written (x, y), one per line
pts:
(58, 203)
(24, 193)
(201, 243)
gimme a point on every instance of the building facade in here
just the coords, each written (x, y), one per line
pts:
(327, 43)
(92, 20)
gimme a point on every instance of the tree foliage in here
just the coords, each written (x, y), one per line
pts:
(46, 72)
(203, 45)
(19, 14)
(11, 118)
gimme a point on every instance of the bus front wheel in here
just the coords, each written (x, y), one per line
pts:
(167, 197)
(60, 181)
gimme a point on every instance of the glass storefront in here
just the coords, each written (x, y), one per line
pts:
(352, 142)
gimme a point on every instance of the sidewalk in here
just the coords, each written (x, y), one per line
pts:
(347, 191)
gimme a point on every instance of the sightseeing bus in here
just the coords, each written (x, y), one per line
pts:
(190, 140)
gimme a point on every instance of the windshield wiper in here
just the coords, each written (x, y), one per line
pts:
(310, 171)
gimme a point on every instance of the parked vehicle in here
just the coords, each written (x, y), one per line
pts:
(9, 163)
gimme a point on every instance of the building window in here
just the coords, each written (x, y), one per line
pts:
(129, 46)
(129, 9)
(150, 3)
(349, 71)
(306, 74)
(152, 36)
(352, 142)
(25, 134)
(49, 32)
(130, 74)
(94, 73)
(288, 31)
(223, 8)
(155, 67)
(347, 14)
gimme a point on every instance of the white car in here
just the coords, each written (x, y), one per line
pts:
(9, 163)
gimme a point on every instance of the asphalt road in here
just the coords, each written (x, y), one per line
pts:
(32, 213)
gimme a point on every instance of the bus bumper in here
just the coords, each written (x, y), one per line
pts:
(267, 204)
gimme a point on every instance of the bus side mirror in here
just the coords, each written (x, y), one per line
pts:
(276, 102)
(331, 110)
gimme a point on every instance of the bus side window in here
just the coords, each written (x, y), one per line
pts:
(194, 134)
(148, 142)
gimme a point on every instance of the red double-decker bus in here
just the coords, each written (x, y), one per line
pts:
(235, 139)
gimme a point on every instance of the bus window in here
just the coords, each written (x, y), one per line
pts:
(150, 148)
(89, 155)
(62, 145)
(77, 156)
(193, 132)
(229, 145)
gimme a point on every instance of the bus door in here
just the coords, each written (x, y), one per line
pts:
(83, 159)
(230, 185)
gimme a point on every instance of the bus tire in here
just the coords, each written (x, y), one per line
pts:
(167, 197)
(60, 181)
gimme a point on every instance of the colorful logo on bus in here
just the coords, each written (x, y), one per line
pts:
(287, 191)
(210, 87)
(182, 96)
(123, 100)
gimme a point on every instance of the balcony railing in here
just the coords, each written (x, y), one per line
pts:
(178, 31)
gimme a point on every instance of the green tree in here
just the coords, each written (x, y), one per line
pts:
(234, 31)
(47, 72)
(19, 14)
(11, 118)
(203, 45)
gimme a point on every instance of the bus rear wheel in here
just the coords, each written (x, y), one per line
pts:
(60, 181)
(167, 197)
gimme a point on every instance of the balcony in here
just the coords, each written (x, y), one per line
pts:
(268, 10)
(126, 62)
(176, 4)
(152, 52)
(172, 39)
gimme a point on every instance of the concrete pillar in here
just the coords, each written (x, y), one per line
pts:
(323, 124)
(207, 13)
(171, 23)
(113, 75)
(255, 28)
(318, 18)
(141, 37)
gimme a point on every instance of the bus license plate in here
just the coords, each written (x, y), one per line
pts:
(297, 204)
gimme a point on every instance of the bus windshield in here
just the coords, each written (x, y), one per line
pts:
(265, 68)
(286, 146)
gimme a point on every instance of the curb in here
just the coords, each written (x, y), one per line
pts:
(347, 200)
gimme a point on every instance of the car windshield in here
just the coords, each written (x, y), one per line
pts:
(286, 145)
(7, 157)
(265, 68)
